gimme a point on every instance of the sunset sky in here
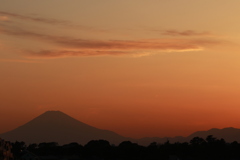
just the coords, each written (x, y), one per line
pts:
(140, 68)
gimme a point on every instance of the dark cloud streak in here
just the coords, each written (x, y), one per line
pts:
(49, 21)
(156, 44)
(36, 19)
(185, 33)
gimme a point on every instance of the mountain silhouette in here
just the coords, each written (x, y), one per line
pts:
(56, 126)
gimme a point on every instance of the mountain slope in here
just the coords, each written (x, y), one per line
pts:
(55, 126)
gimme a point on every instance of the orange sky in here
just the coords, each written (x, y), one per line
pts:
(139, 68)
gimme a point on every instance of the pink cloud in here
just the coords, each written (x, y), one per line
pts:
(75, 47)
(81, 47)
(70, 46)
(71, 53)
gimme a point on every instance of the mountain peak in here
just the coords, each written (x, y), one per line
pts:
(56, 126)
(53, 112)
(53, 118)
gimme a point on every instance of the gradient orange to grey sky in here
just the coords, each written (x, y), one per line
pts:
(140, 68)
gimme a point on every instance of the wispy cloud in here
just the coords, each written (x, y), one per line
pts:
(30, 18)
(76, 47)
(71, 53)
(82, 47)
(65, 46)
(185, 33)
(13, 31)
(4, 16)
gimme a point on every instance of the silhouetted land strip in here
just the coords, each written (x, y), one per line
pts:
(198, 148)
(56, 126)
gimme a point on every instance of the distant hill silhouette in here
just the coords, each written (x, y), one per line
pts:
(228, 134)
(56, 126)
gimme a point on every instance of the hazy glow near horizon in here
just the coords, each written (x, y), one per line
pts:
(139, 68)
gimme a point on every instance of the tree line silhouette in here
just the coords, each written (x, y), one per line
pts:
(197, 149)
